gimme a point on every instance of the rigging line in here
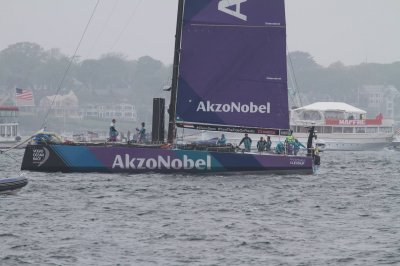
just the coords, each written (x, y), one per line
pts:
(290, 72)
(8, 155)
(290, 95)
(70, 63)
(103, 28)
(294, 76)
(291, 98)
(126, 26)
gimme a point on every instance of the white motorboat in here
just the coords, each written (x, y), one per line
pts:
(341, 126)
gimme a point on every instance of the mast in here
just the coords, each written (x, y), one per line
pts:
(175, 73)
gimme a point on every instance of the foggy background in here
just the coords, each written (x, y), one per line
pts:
(350, 31)
(340, 50)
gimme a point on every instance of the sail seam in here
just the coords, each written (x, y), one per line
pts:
(240, 26)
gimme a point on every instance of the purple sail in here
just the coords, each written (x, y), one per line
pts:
(232, 68)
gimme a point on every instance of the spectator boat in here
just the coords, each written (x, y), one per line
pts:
(341, 126)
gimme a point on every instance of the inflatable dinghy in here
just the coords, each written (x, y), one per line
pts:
(12, 184)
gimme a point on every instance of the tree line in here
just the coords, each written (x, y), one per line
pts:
(114, 78)
(337, 82)
(110, 79)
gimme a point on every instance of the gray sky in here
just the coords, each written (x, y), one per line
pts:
(351, 31)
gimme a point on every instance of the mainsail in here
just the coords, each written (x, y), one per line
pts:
(232, 70)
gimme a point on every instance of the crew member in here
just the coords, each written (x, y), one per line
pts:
(289, 143)
(247, 142)
(280, 148)
(141, 133)
(222, 140)
(268, 144)
(296, 146)
(113, 131)
(261, 144)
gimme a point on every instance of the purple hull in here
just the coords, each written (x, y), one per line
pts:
(129, 159)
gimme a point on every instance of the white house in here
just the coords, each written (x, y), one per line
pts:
(123, 111)
(62, 105)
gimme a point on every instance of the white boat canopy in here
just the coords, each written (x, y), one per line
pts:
(319, 111)
(332, 106)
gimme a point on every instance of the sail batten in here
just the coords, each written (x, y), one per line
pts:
(233, 64)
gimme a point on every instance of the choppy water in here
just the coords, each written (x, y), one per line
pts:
(347, 214)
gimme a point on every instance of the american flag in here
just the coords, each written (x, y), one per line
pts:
(24, 97)
(397, 131)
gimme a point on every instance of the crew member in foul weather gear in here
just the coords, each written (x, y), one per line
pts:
(142, 133)
(222, 140)
(289, 143)
(113, 131)
(296, 146)
(268, 144)
(280, 148)
(247, 142)
(317, 158)
(261, 144)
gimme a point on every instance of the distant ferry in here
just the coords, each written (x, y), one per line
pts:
(341, 126)
(8, 125)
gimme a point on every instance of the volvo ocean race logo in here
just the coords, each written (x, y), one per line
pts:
(233, 107)
(126, 162)
(40, 156)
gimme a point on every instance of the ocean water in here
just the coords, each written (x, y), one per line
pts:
(346, 214)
